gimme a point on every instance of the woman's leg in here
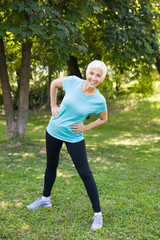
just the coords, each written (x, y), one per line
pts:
(53, 147)
(77, 152)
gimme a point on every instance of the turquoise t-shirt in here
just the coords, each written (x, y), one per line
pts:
(75, 108)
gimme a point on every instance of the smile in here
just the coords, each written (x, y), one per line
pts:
(92, 82)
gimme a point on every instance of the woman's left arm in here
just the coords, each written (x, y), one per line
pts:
(80, 127)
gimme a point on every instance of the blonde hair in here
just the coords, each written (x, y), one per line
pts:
(97, 64)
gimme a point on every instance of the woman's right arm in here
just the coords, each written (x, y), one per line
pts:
(57, 83)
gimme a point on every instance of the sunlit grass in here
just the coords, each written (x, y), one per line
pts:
(140, 139)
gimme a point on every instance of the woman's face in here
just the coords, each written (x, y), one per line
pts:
(94, 77)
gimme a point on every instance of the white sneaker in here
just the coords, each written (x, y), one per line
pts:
(97, 222)
(39, 202)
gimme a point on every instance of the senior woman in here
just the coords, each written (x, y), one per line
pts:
(66, 125)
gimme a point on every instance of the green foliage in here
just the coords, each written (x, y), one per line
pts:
(124, 34)
(51, 26)
(37, 95)
(130, 32)
(48, 23)
(106, 88)
(145, 84)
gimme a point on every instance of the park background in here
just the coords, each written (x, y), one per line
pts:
(43, 40)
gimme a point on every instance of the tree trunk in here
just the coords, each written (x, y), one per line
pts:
(73, 68)
(23, 107)
(6, 91)
(50, 71)
(158, 63)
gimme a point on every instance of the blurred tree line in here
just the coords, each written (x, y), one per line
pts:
(41, 39)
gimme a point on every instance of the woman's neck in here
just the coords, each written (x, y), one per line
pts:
(88, 91)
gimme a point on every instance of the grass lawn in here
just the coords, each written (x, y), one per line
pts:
(124, 156)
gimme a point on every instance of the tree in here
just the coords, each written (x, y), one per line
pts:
(16, 18)
(124, 34)
(32, 22)
(73, 68)
(130, 32)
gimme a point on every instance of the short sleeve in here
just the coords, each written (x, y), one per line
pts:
(101, 107)
(68, 82)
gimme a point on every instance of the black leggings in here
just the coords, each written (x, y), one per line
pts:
(77, 152)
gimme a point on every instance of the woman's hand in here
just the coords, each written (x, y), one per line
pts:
(55, 111)
(80, 127)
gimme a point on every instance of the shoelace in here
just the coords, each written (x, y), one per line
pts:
(97, 219)
(37, 199)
